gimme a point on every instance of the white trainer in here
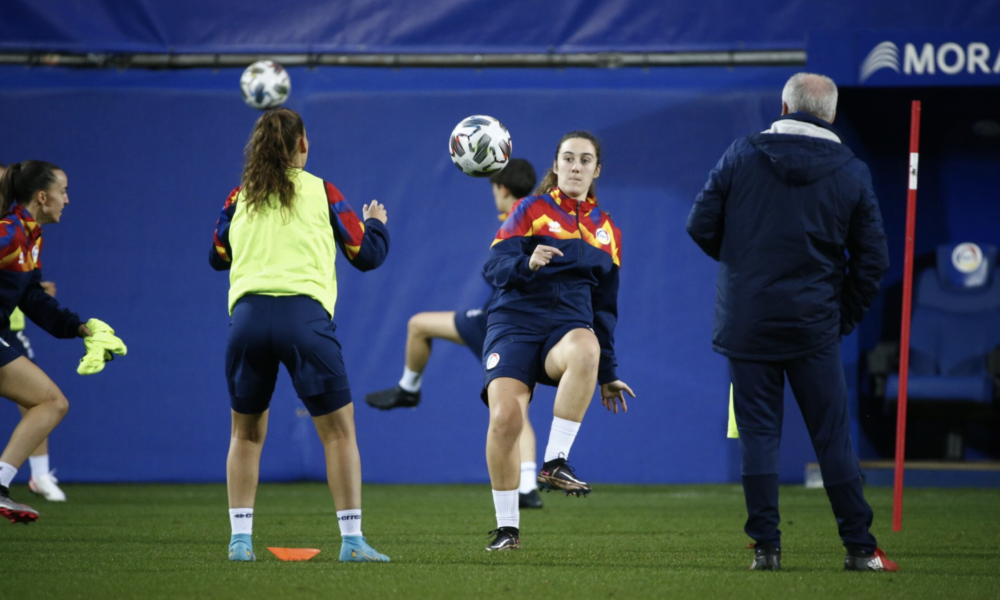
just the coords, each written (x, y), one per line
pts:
(47, 486)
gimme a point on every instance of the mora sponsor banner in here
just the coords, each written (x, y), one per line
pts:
(894, 59)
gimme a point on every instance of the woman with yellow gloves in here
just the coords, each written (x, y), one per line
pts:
(34, 194)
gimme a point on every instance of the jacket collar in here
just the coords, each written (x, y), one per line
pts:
(807, 118)
(31, 227)
(570, 205)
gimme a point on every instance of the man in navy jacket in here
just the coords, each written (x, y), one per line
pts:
(778, 212)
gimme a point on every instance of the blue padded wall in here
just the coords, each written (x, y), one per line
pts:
(151, 157)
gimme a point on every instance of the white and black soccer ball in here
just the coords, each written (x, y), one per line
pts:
(480, 146)
(265, 84)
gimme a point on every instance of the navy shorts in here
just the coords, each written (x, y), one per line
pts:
(471, 327)
(519, 352)
(292, 330)
(14, 344)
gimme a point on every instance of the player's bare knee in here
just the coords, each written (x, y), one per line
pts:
(336, 433)
(586, 354)
(506, 419)
(252, 434)
(416, 326)
(55, 401)
(249, 435)
(62, 405)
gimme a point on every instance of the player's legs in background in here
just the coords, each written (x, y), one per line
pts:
(528, 489)
(43, 448)
(508, 399)
(758, 400)
(43, 481)
(573, 362)
(242, 474)
(43, 403)
(421, 330)
(343, 473)
(30, 388)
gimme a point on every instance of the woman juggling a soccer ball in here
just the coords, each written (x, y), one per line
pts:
(278, 236)
(34, 193)
(555, 265)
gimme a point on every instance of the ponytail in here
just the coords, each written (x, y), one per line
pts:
(21, 181)
(268, 156)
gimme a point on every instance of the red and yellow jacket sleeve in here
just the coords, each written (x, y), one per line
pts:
(221, 254)
(366, 244)
(507, 265)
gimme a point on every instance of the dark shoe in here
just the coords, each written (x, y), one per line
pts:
(17, 513)
(507, 539)
(868, 561)
(558, 475)
(530, 500)
(394, 397)
(766, 557)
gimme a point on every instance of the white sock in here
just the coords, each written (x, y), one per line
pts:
(39, 465)
(529, 478)
(350, 521)
(561, 438)
(7, 473)
(241, 520)
(411, 380)
(508, 513)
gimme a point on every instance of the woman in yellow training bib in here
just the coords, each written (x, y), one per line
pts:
(278, 236)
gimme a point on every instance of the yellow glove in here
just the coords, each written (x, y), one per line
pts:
(101, 347)
(733, 433)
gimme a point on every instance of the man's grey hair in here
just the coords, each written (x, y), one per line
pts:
(812, 94)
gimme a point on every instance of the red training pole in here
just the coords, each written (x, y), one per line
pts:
(904, 338)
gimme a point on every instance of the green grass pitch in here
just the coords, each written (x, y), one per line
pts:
(170, 541)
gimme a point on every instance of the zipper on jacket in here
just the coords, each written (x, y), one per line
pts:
(552, 309)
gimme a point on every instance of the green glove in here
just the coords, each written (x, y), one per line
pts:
(101, 347)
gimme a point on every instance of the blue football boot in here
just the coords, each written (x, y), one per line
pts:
(241, 548)
(354, 548)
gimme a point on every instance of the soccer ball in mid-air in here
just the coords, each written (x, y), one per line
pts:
(265, 84)
(480, 146)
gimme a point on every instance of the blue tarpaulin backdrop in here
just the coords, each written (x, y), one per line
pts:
(300, 26)
(151, 157)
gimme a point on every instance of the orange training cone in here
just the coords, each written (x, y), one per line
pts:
(294, 553)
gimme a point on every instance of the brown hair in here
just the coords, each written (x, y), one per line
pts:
(268, 156)
(550, 179)
(21, 181)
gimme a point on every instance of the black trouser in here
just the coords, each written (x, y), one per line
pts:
(821, 392)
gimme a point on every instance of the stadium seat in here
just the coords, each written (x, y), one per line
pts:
(954, 343)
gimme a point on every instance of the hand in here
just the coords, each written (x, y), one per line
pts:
(613, 393)
(49, 287)
(84, 331)
(542, 256)
(375, 211)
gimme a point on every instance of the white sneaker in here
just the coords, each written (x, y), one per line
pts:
(47, 487)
